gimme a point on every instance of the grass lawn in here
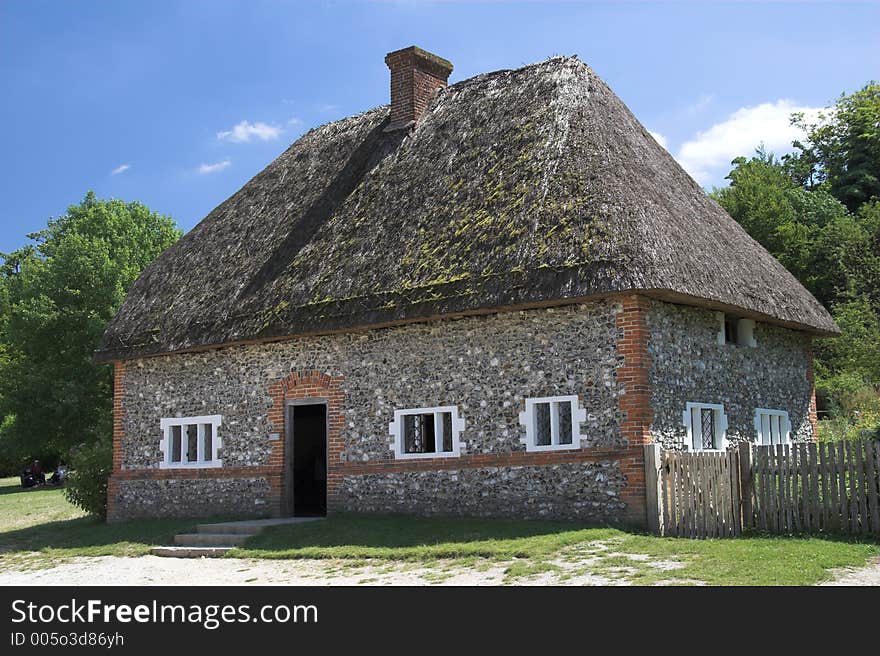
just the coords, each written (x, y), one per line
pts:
(41, 520)
(531, 547)
(38, 528)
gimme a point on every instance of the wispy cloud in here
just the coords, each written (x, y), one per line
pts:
(122, 168)
(245, 132)
(659, 138)
(701, 104)
(216, 167)
(707, 155)
(294, 120)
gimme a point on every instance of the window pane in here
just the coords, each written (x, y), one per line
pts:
(428, 433)
(175, 444)
(565, 429)
(707, 428)
(412, 434)
(418, 433)
(730, 330)
(192, 443)
(542, 424)
(209, 441)
(447, 431)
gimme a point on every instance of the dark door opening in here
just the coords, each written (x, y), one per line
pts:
(309, 460)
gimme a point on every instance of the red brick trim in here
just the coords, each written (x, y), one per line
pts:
(307, 385)
(633, 375)
(118, 435)
(475, 461)
(118, 413)
(811, 378)
(156, 474)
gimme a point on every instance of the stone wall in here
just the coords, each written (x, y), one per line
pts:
(486, 365)
(687, 364)
(585, 491)
(192, 497)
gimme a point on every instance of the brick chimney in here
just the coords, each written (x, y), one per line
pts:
(416, 75)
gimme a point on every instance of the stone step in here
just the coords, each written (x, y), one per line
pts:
(189, 552)
(229, 528)
(210, 539)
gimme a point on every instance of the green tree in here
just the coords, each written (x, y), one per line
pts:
(842, 148)
(833, 252)
(807, 231)
(60, 292)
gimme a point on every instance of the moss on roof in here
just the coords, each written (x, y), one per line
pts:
(518, 187)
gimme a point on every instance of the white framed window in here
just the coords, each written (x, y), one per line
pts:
(190, 442)
(552, 423)
(772, 426)
(706, 426)
(735, 330)
(427, 432)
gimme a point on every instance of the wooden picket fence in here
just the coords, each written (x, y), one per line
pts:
(832, 487)
(827, 487)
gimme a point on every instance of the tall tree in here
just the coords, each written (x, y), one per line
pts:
(842, 148)
(59, 293)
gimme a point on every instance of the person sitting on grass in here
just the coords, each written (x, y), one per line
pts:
(37, 471)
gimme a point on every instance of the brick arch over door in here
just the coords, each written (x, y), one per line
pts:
(309, 385)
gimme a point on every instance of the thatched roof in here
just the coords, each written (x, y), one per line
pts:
(517, 188)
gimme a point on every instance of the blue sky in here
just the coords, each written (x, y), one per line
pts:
(178, 103)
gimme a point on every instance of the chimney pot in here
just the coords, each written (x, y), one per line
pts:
(416, 75)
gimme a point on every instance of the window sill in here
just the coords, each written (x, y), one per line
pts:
(552, 447)
(191, 465)
(417, 456)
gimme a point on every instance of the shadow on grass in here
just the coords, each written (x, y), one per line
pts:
(92, 536)
(401, 536)
(17, 489)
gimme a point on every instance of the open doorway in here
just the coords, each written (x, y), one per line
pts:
(307, 465)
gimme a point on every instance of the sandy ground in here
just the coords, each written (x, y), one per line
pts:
(581, 567)
(869, 575)
(154, 570)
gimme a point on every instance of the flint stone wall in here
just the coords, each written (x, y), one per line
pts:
(585, 491)
(485, 365)
(688, 365)
(192, 497)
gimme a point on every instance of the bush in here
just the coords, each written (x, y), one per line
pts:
(90, 467)
(861, 425)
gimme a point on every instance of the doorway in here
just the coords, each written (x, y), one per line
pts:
(307, 460)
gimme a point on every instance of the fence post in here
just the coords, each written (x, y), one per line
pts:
(653, 494)
(746, 483)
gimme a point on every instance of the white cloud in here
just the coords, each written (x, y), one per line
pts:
(122, 168)
(659, 138)
(707, 155)
(216, 167)
(701, 104)
(294, 121)
(245, 131)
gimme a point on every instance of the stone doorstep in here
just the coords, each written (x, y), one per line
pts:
(211, 540)
(189, 552)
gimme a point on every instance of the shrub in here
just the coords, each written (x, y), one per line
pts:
(90, 467)
(861, 425)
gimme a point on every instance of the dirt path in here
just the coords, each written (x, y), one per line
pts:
(869, 575)
(153, 570)
(583, 567)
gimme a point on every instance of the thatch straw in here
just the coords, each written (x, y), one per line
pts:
(517, 188)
